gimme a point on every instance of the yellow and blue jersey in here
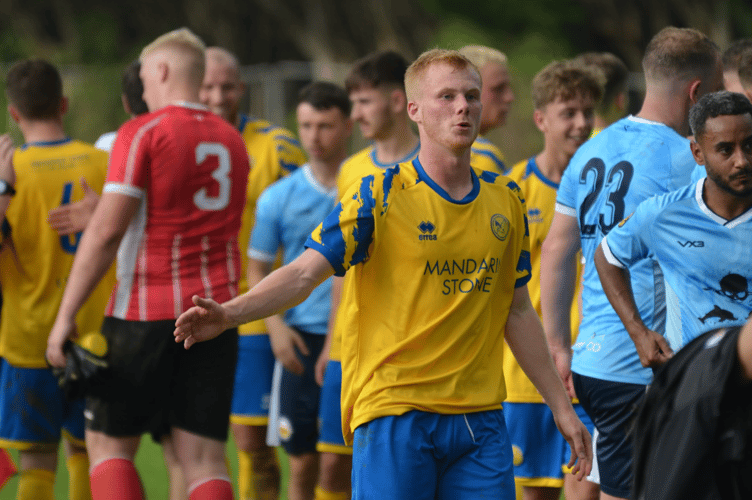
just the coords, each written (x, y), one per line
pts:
(540, 199)
(353, 169)
(34, 260)
(273, 152)
(433, 282)
(484, 155)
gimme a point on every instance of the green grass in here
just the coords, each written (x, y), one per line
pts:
(151, 468)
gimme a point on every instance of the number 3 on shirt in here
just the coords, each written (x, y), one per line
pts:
(220, 174)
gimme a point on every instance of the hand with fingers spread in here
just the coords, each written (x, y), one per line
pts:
(204, 321)
(72, 218)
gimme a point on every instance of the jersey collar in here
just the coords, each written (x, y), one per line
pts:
(423, 176)
(715, 217)
(407, 157)
(191, 105)
(532, 168)
(42, 144)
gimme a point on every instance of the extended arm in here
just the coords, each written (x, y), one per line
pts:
(524, 334)
(558, 275)
(283, 338)
(94, 256)
(651, 346)
(284, 288)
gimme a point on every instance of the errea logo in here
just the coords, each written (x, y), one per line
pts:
(427, 229)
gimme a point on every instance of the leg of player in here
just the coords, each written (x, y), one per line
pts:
(541, 493)
(258, 467)
(112, 467)
(334, 476)
(78, 470)
(304, 469)
(204, 465)
(580, 490)
(177, 487)
(37, 477)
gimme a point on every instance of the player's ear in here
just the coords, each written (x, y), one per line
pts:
(13, 112)
(413, 111)
(697, 152)
(693, 90)
(163, 70)
(397, 100)
(539, 120)
(63, 105)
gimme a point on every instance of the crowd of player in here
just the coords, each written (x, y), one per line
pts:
(379, 353)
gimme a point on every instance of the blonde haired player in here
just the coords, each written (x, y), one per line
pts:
(422, 386)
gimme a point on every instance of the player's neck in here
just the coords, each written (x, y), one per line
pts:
(325, 171)
(552, 163)
(723, 203)
(42, 130)
(671, 110)
(449, 169)
(394, 148)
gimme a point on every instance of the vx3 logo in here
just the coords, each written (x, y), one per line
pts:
(691, 244)
(427, 228)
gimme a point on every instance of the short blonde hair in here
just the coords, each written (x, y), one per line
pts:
(427, 59)
(480, 55)
(184, 42)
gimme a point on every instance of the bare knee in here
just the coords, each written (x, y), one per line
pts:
(334, 471)
(249, 438)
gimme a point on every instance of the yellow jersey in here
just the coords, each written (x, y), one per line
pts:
(484, 155)
(352, 170)
(540, 199)
(273, 152)
(433, 282)
(34, 260)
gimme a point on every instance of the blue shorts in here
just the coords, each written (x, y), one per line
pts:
(612, 407)
(330, 412)
(253, 381)
(34, 411)
(420, 455)
(299, 401)
(540, 451)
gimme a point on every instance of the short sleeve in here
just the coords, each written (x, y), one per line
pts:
(566, 195)
(523, 272)
(629, 241)
(266, 234)
(130, 158)
(289, 154)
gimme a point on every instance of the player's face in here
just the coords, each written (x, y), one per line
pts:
(222, 89)
(447, 106)
(496, 96)
(323, 133)
(725, 148)
(371, 110)
(566, 123)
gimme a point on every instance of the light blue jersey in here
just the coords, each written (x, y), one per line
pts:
(705, 260)
(286, 213)
(628, 162)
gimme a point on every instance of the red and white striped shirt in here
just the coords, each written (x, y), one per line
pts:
(189, 168)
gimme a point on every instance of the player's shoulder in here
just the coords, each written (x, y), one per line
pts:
(662, 202)
(259, 128)
(359, 159)
(520, 171)
(487, 155)
(496, 184)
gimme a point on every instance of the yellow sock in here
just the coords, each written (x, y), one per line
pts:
(258, 475)
(36, 484)
(322, 494)
(79, 487)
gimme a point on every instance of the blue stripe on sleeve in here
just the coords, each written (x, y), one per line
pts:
(523, 265)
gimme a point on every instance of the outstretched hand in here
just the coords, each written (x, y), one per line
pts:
(204, 321)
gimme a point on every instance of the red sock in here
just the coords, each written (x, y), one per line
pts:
(7, 467)
(211, 489)
(115, 478)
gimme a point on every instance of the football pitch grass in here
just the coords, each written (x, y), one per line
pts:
(150, 467)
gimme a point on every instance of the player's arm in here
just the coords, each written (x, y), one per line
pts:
(651, 346)
(72, 218)
(94, 256)
(744, 350)
(524, 334)
(284, 288)
(336, 297)
(558, 275)
(7, 172)
(284, 339)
